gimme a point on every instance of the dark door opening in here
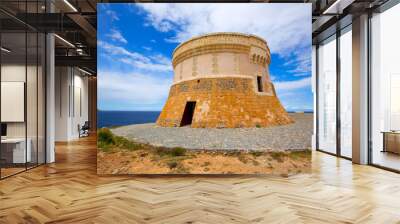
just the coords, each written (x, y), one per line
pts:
(259, 84)
(187, 116)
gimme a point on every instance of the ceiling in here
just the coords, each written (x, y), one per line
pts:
(75, 22)
(329, 16)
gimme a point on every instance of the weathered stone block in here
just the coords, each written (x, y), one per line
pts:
(223, 109)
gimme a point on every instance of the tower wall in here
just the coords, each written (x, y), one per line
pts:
(223, 103)
(226, 75)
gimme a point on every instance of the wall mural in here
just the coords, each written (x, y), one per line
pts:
(189, 96)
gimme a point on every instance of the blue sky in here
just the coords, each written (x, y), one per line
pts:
(135, 43)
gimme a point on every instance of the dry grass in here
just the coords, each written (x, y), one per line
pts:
(117, 155)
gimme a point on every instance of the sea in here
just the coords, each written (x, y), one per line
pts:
(121, 118)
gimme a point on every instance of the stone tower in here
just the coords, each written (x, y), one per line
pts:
(222, 80)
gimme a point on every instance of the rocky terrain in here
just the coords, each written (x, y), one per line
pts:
(296, 136)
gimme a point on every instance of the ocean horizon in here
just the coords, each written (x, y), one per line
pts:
(107, 118)
(110, 118)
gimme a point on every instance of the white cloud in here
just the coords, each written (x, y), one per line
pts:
(133, 88)
(116, 35)
(147, 48)
(301, 74)
(293, 85)
(112, 15)
(301, 62)
(143, 65)
(136, 60)
(117, 50)
(284, 26)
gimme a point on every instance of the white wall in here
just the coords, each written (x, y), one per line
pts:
(71, 102)
(80, 110)
(62, 82)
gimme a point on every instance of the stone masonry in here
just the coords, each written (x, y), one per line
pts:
(226, 76)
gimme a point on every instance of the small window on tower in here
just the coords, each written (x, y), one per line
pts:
(259, 84)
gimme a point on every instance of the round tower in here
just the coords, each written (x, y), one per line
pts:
(222, 80)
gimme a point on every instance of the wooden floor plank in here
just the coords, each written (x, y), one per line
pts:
(70, 191)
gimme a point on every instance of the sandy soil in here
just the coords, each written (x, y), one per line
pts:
(148, 161)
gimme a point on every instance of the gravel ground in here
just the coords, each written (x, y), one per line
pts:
(295, 136)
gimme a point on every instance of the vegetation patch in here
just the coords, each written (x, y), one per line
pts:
(172, 164)
(119, 155)
(107, 141)
(256, 153)
(105, 136)
(171, 152)
(278, 156)
(305, 154)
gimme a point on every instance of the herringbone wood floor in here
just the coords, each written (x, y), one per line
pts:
(69, 191)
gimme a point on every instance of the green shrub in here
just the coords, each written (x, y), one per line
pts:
(105, 137)
(104, 147)
(256, 153)
(258, 126)
(177, 151)
(124, 143)
(233, 153)
(172, 164)
(132, 146)
(161, 151)
(107, 140)
(278, 156)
